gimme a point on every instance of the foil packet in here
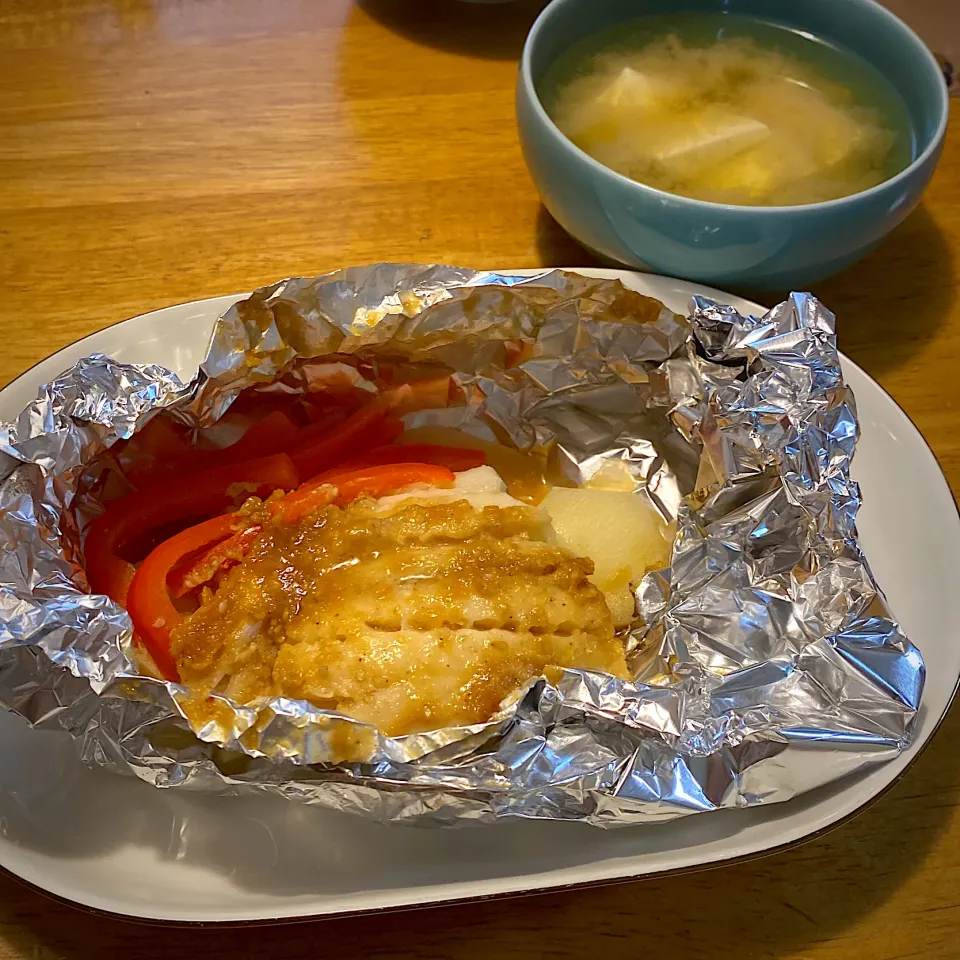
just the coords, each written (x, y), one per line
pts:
(765, 660)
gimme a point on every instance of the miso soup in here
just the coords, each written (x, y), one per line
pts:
(724, 108)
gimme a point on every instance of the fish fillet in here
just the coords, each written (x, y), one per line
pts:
(415, 612)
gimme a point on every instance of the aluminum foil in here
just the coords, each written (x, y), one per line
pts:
(766, 662)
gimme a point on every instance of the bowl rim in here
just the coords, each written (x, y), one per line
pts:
(935, 144)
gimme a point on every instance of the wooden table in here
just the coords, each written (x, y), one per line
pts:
(157, 151)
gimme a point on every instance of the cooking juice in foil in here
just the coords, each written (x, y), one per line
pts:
(763, 660)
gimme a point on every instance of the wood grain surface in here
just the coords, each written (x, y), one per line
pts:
(158, 151)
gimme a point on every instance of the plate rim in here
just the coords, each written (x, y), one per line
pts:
(916, 751)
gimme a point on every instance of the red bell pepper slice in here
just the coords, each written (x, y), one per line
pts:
(166, 452)
(318, 448)
(201, 494)
(346, 483)
(222, 556)
(149, 602)
(453, 458)
(275, 433)
(303, 501)
(380, 480)
(291, 508)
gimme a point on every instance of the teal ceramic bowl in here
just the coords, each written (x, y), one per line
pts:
(761, 247)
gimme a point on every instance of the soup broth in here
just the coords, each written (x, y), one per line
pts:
(723, 108)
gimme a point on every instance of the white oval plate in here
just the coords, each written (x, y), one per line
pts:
(115, 844)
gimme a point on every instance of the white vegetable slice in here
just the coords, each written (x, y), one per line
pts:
(623, 537)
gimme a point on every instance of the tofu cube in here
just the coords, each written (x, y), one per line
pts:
(631, 88)
(712, 136)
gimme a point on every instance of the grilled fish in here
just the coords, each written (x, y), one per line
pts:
(413, 612)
